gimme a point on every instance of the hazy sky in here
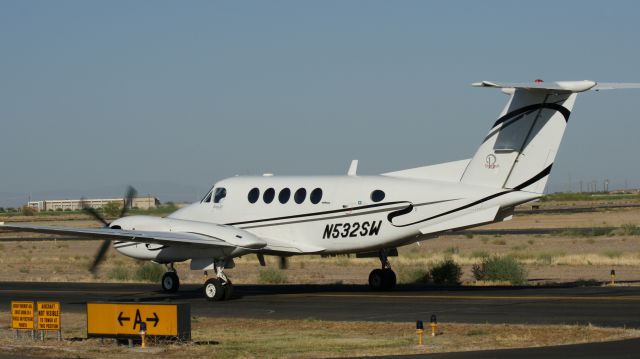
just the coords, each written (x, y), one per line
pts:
(172, 96)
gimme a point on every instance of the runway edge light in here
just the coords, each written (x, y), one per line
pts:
(434, 325)
(420, 332)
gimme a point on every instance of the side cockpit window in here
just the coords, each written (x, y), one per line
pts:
(219, 194)
(207, 198)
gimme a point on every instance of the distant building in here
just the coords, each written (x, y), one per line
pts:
(145, 202)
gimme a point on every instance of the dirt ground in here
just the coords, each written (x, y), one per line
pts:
(307, 339)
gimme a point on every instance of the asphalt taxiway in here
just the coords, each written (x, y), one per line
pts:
(605, 306)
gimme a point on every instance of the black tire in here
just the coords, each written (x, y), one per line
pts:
(170, 282)
(228, 290)
(376, 279)
(389, 279)
(213, 290)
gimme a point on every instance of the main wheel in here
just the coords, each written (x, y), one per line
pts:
(388, 279)
(228, 290)
(376, 279)
(170, 282)
(213, 290)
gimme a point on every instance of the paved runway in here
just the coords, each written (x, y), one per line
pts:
(605, 306)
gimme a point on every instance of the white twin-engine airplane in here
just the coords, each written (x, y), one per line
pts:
(366, 215)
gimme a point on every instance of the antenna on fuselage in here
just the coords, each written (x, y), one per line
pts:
(353, 169)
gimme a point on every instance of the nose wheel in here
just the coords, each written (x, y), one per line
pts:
(382, 278)
(220, 288)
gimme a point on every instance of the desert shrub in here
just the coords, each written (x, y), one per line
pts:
(118, 273)
(500, 269)
(413, 275)
(446, 272)
(499, 242)
(149, 272)
(272, 276)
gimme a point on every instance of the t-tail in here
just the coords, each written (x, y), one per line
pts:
(519, 150)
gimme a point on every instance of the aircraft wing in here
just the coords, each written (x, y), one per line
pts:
(166, 238)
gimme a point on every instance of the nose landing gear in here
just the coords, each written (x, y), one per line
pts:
(170, 281)
(382, 278)
(220, 288)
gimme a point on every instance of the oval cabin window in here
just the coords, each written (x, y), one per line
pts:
(377, 195)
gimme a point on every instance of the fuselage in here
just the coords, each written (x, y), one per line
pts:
(333, 214)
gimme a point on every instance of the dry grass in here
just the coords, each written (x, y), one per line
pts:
(233, 338)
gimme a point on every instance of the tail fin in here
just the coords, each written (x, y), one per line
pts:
(522, 144)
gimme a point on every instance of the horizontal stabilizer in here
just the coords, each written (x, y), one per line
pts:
(560, 86)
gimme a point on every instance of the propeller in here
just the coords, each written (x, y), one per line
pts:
(104, 247)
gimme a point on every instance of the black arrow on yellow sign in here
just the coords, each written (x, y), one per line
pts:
(155, 319)
(122, 319)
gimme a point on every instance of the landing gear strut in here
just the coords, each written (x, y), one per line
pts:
(219, 288)
(382, 278)
(170, 281)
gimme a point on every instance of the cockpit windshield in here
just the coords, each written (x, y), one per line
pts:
(219, 194)
(207, 198)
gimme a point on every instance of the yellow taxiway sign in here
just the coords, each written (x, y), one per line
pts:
(125, 319)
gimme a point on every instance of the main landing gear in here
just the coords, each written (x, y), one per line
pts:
(170, 281)
(220, 288)
(382, 278)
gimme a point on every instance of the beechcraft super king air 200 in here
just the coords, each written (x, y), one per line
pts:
(365, 215)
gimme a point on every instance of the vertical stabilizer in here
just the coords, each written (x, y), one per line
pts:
(522, 144)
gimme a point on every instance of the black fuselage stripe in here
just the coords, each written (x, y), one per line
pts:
(410, 205)
(534, 179)
(529, 182)
(554, 106)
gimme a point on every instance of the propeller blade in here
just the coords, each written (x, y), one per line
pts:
(92, 212)
(128, 199)
(100, 255)
(283, 263)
